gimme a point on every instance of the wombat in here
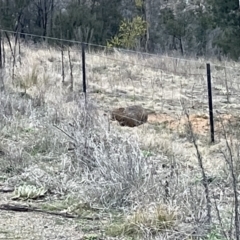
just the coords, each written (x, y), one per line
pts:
(131, 116)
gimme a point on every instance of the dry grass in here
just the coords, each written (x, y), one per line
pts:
(141, 182)
(147, 221)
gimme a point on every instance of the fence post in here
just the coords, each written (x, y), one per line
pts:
(84, 72)
(210, 102)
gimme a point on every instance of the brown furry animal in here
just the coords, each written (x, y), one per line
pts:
(131, 116)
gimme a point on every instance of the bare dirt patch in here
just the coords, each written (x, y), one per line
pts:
(33, 225)
(200, 123)
(21, 225)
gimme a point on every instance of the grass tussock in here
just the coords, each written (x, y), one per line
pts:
(147, 221)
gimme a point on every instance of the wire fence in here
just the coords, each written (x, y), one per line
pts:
(165, 86)
(119, 78)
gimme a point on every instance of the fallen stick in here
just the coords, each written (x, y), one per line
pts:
(24, 208)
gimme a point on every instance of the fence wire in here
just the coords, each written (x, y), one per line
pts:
(119, 78)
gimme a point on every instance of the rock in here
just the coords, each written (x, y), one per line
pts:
(131, 116)
(7, 189)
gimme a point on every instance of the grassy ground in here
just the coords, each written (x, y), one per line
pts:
(117, 182)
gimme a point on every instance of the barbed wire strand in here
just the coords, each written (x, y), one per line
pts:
(147, 66)
(102, 46)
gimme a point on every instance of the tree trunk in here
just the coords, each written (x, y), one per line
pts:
(45, 17)
(51, 19)
(147, 18)
(181, 45)
(174, 43)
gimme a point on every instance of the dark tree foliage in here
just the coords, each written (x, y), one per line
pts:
(195, 27)
(95, 23)
(12, 13)
(226, 16)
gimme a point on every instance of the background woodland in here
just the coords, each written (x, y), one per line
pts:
(184, 27)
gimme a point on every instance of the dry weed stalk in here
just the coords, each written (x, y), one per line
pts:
(13, 51)
(226, 84)
(3, 51)
(1, 64)
(229, 159)
(203, 171)
(71, 70)
(62, 62)
(19, 50)
(1, 57)
(224, 233)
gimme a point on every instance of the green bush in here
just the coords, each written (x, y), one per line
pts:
(130, 33)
